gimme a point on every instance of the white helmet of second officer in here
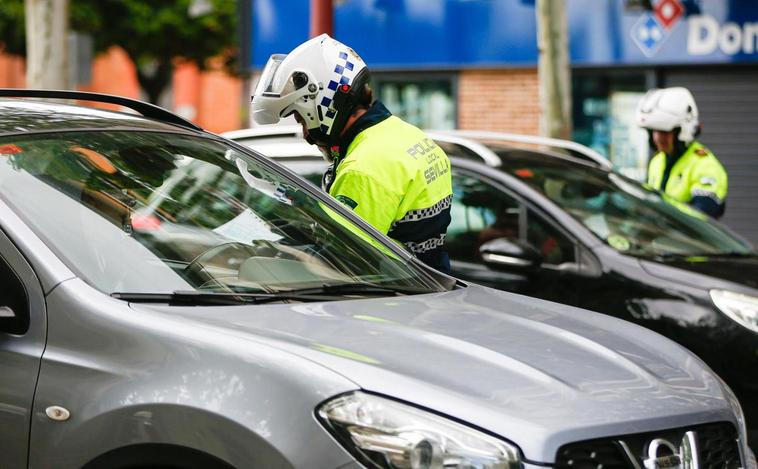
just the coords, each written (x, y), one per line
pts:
(322, 80)
(669, 109)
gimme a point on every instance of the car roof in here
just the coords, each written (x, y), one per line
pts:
(275, 141)
(32, 114)
(281, 141)
(284, 142)
(554, 146)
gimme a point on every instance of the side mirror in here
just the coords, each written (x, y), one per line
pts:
(6, 313)
(510, 254)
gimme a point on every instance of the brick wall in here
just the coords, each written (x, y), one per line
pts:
(113, 73)
(210, 98)
(12, 71)
(499, 100)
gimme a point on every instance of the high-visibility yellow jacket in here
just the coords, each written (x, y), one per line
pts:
(398, 179)
(697, 178)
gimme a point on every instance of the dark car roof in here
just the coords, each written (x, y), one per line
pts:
(513, 157)
(22, 116)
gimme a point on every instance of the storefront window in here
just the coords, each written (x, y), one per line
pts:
(426, 102)
(604, 112)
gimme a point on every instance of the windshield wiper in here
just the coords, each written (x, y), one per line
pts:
(362, 288)
(196, 298)
(324, 292)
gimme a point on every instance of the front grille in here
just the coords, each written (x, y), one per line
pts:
(718, 447)
(716, 442)
(591, 454)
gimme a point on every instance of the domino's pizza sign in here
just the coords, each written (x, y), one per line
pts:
(653, 28)
(706, 36)
(717, 31)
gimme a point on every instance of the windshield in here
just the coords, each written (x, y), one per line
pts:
(624, 214)
(147, 212)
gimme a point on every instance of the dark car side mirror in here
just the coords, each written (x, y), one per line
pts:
(510, 254)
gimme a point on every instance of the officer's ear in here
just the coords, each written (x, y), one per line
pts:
(698, 129)
(650, 141)
(366, 97)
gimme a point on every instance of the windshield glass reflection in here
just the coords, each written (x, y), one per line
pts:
(626, 215)
(149, 212)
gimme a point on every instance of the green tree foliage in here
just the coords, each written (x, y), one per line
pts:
(154, 33)
(12, 30)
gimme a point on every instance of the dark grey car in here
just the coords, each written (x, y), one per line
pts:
(172, 299)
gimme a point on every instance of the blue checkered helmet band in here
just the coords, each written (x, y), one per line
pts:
(346, 67)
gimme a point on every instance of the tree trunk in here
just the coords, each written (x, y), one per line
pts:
(154, 79)
(47, 44)
(554, 72)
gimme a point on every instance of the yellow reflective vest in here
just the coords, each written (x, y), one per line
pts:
(398, 179)
(696, 178)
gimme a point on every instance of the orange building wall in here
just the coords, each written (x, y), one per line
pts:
(499, 100)
(212, 99)
(113, 72)
(12, 72)
(214, 96)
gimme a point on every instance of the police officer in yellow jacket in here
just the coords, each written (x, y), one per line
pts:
(682, 167)
(388, 171)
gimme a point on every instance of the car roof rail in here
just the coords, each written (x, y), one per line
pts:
(148, 110)
(589, 153)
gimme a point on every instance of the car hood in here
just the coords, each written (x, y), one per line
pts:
(538, 373)
(740, 270)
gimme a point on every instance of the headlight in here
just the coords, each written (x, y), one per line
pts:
(741, 308)
(387, 434)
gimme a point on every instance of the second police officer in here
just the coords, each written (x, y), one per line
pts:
(682, 168)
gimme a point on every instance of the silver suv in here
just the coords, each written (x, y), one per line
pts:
(171, 299)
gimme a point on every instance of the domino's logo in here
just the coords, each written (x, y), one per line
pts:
(652, 29)
(648, 34)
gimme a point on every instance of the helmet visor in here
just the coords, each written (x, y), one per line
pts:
(268, 85)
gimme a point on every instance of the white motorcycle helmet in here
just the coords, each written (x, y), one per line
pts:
(667, 109)
(322, 80)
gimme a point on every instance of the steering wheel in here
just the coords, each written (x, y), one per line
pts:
(189, 271)
(299, 230)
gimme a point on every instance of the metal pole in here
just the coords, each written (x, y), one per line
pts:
(322, 18)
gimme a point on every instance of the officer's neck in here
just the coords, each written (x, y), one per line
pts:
(677, 151)
(353, 117)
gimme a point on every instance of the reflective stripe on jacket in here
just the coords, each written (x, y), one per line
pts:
(398, 180)
(696, 178)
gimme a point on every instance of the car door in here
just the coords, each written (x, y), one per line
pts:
(22, 339)
(483, 210)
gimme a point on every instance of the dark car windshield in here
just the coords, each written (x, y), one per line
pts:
(623, 213)
(157, 212)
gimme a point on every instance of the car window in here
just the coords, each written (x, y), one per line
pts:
(556, 248)
(459, 151)
(151, 212)
(626, 215)
(12, 298)
(309, 168)
(482, 212)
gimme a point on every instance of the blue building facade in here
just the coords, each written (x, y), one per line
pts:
(418, 49)
(454, 34)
